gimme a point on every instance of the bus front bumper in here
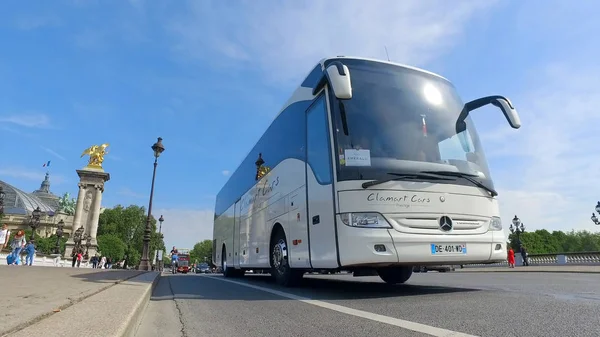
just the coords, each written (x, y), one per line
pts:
(372, 247)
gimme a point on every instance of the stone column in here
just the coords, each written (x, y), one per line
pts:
(90, 181)
(79, 207)
(96, 215)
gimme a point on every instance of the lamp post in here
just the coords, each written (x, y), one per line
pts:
(158, 148)
(59, 233)
(160, 221)
(77, 237)
(88, 244)
(517, 227)
(1, 202)
(35, 221)
(594, 217)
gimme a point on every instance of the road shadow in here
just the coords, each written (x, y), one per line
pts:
(214, 287)
(110, 276)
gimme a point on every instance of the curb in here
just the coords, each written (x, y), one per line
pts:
(117, 311)
(138, 312)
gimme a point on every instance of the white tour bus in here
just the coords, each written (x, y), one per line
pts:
(370, 167)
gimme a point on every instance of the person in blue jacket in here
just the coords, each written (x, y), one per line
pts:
(30, 249)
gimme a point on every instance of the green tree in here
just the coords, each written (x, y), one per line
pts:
(128, 224)
(202, 252)
(111, 246)
(544, 242)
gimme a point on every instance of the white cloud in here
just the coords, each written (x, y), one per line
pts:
(185, 227)
(52, 152)
(25, 174)
(226, 172)
(35, 22)
(553, 181)
(34, 120)
(125, 191)
(286, 39)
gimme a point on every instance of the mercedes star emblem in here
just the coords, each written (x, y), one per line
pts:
(445, 223)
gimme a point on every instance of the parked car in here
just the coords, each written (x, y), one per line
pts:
(203, 268)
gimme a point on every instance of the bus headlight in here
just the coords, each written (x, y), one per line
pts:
(364, 220)
(495, 224)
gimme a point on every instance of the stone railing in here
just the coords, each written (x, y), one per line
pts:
(581, 259)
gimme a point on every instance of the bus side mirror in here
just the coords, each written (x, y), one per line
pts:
(338, 77)
(500, 101)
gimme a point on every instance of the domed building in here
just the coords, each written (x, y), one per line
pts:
(18, 207)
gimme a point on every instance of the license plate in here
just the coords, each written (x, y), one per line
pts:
(448, 248)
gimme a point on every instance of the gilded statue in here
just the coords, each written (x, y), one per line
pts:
(96, 153)
(262, 171)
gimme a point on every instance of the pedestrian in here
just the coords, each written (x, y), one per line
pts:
(4, 236)
(73, 258)
(511, 258)
(17, 244)
(524, 256)
(102, 262)
(95, 261)
(30, 249)
(79, 258)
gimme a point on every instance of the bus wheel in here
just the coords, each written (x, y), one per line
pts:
(394, 275)
(229, 271)
(280, 267)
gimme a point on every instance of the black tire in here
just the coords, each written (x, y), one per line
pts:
(228, 271)
(280, 268)
(395, 275)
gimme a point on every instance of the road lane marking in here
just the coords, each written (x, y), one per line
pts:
(418, 327)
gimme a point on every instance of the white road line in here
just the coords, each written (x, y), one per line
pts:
(418, 327)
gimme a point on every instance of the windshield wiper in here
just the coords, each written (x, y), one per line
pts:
(467, 176)
(404, 176)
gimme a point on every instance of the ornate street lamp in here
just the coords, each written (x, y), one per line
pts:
(160, 220)
(77, 237)
(1, 201)
(35, 221)
(158, 148)
(517, 227)
(59, 234)
(594, 218)
(88, 244)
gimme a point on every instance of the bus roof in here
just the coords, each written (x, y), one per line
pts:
(322, 62)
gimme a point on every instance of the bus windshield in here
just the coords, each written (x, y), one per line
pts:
(402, 120)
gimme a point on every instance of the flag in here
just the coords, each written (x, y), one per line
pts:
(46, 164)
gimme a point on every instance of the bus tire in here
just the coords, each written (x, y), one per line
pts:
(395, 275)
(280, 267)
(227, 271)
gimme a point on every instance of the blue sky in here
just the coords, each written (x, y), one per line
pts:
(209, 77)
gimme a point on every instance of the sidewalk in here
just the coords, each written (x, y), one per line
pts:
(71, 301)
(538, 269)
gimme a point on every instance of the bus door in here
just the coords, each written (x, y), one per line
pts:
(319, 183)
(235, 253)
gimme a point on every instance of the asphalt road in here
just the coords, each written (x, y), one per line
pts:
(431, 304)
